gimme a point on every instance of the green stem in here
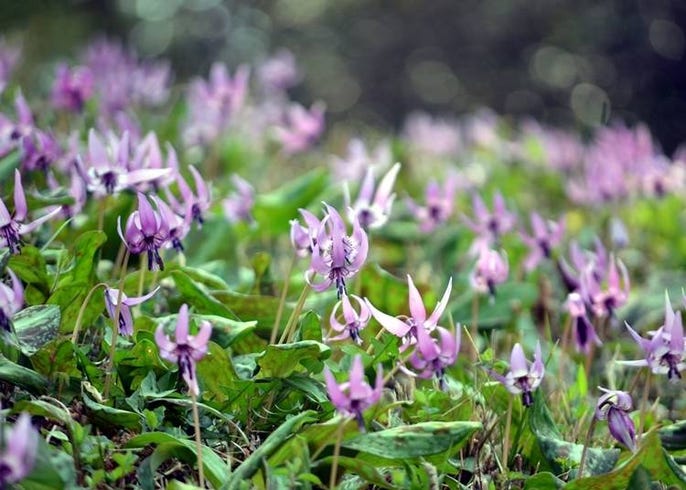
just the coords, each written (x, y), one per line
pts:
(82, 311)
(644, 403)
(141, 274)
(293, 319)
(198, 442)
(336, 455)
(282, 299)
(506, 441)
(587, 443)
(115, 328)
(475, 325)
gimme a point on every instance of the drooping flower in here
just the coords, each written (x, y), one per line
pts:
(186, 350)
(146, 231)
(72, 88)
(545, 236)
(11, 300)
(614, 406)
(373, 209)
(524, 377)
(199, 201)
(304, 238)
(407, 327)
(490, 270)
(584, 331)
(238, 206)
(665, 352)
(604, 302)
(489, 226)
(125, 321)
(438, 204)
(179, 225)
(353, 321)
(12, 225)
(300, 128)
(18, 450)
(336, 256)
(355, 395)
(432, 355)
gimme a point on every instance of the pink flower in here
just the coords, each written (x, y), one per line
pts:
(353, 321)
(439, 203)
(614, 406)
(301, 128)
(432, 356)
(490, 270)
(125, 321)
(523, 377)
(545, 236)
(18, 453)
(11, 300)
(72, 88)
(304, 238)
(146, 231)
(371, 208)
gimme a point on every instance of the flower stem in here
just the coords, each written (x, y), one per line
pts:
(587, 442)
(282, 299)
(198, 442)
(82, 311)
(115, 328)
(644, 403)
(293, 319)
(506, 438)
(336, 454)
(475, 325)
(141, 274)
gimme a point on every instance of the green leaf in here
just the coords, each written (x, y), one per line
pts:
(252, 463)
(196, 297)
(43, 408)
(8, 164)
(365, 470)
(247, 306)
(169, 446)
(310, 327)
(21, 376)
(511, 298)
(70, 297)
(281, 360)
(105, 416)
(216, 374)
(53, 470)
(30, 267)
(35, 326)
(84, 253)
(543, 481)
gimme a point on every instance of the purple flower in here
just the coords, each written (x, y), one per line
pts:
(186, 349)
(490, 270)
(199, 201)
(335, 255)
(372, 209)
(39, 151)
(179, 225)
(614, 406)
(279, 73)
(432, 356)
(11, 300)
(18, 452)
(407, 328)
(582, 260)
(604, 302)
(72, 88)
(238, 206)
(125, 322)
(353, 321)
(523, 377)
(357, 161)
(9, 56)
(545, 236)
(438, 207)
(433, 136)
(300, 128)
(12, 225)
(107, 170)
(584, 331)
(355, 395)
(304, 238)
(664, 352)
(490, 226)
(146, 231)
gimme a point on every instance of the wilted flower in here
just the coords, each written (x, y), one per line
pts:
(614, 406)
(186, 349)
(353, 321)
(438, 207)
(584, 331)
(72, 88)
(373, 209)
(11, 300)
(304, 238)
(523, 377)
(489, 226)
(125, 322)
(545, 236)
(336, 256)
(11, 225)
(490, 270)
(432, 356)
(18, 450)
(300, 128)
(355, 395)
(407, 328)
(664, 352)
(238, 206)
(146, 231)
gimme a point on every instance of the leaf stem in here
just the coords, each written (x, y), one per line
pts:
(293, 319)
(506, 438)
(587, 442)
(282, 299)
(82, 310)
(198, 442)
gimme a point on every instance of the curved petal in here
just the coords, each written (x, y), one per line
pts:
(181, 332)
(20, 208)
(417, 309)
(394, 325)
(440, 307)
(134, 301)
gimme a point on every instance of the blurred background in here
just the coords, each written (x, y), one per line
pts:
(570, 63)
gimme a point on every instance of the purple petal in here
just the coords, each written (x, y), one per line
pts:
(440, 307)
(394, 325)
(181, 334)
(20, 208)
(338, 398)
(518, 366)
(417, 309)
(134, 301)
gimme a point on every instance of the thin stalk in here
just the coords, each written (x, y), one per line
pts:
(102, 207)
(336, 455)
(644, 402)
(475, 325)
(141, 275)
(198, 442)
(293, 319)
(115, 329)
(587, 442)
(282, 299)
(506, 441)
(82, 311)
